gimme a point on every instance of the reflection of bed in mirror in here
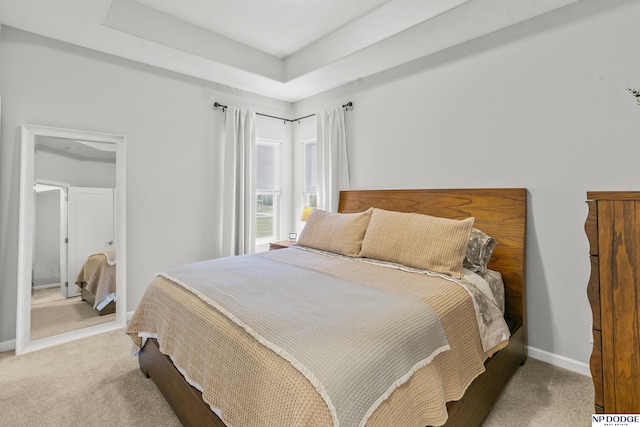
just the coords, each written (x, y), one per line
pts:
(97, 281)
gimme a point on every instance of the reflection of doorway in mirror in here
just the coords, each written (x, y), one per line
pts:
(77, 226)
(49, 249)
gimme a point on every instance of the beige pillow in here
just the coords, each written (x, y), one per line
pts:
(419, 241)
(335, 232)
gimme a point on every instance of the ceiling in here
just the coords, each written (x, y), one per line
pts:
(77, 149)
(284, 49)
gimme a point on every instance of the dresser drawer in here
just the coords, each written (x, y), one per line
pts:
(596, 369)
(591, 227)
(593, 292)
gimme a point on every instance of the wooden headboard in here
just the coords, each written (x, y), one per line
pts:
(500, 213)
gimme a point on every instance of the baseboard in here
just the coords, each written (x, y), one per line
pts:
(559, 361)
(47, 286)
(7, 345)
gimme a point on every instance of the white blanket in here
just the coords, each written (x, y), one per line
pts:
(354, 343)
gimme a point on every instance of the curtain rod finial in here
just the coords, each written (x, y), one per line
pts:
(217, 105)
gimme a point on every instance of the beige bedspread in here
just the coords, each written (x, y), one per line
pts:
(99, 274)
(252, 385)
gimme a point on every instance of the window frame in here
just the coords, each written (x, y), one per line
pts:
(276, 192)
(308, 196)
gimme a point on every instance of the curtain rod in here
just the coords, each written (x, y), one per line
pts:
(348, 106)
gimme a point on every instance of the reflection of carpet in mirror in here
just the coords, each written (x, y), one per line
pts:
(52, 314)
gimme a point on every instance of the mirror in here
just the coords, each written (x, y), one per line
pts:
(72, 205)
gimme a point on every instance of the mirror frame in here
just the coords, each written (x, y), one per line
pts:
(26, 234)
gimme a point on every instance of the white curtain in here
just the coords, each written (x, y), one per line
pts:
(237, 183)
(331, 152)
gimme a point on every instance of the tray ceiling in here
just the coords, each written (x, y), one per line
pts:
(284, 49)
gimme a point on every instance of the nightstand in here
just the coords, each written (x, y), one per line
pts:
(281, 244)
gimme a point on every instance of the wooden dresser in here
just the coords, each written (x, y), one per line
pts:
(613, 230)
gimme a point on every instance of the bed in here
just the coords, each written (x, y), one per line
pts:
(97, 282)
(455, 383)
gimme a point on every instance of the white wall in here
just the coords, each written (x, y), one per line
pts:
(170, 128)
(542, 105)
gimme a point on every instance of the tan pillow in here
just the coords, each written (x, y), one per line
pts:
(335, 232)
(419, 241)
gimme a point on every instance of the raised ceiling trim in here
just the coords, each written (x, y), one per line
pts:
(144, 22)
(365, 33)
(293, 79)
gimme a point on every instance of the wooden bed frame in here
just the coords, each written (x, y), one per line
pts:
(90, 299)
(501, 213)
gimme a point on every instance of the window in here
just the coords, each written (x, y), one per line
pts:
(310, 191)
(267, 190)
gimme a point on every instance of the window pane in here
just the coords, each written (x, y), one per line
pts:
(312, 200)
(267, 190)
(265, 162)
(264, 215)
(310, 168)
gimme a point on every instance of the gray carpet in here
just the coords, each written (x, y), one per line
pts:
(94, 382)
(540, 394)
(89, 382)
(52, 314)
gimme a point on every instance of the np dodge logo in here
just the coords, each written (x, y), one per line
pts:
(615, 420)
